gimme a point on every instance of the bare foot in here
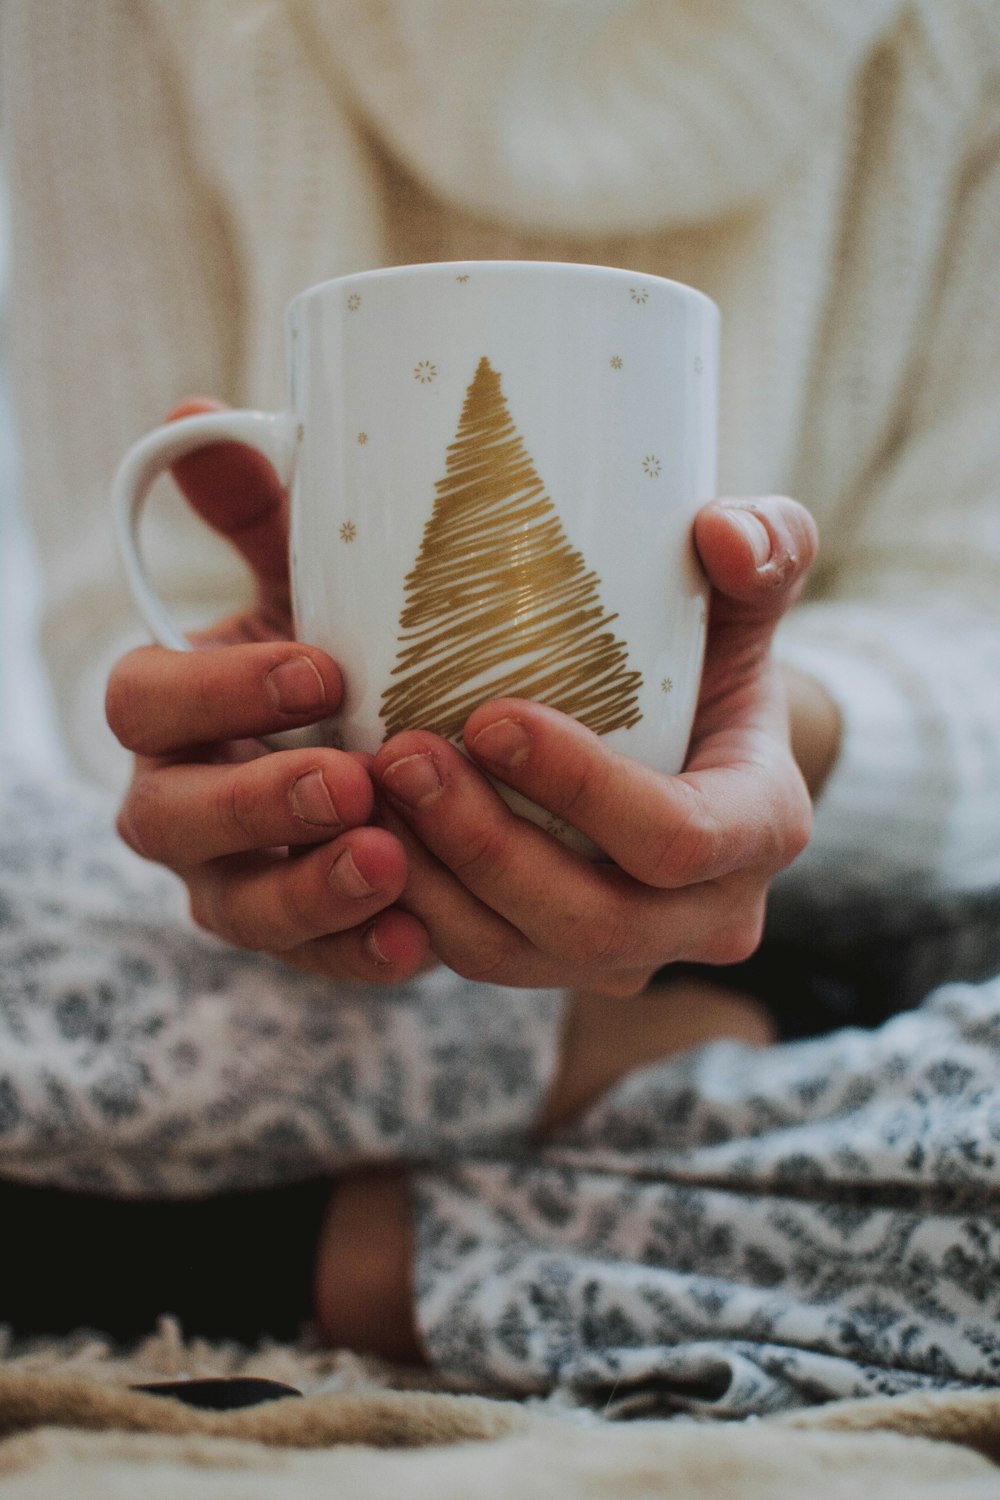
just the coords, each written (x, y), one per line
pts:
(363, 1293)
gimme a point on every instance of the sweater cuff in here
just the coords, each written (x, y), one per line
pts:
(873, 819)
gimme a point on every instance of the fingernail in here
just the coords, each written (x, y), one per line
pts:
(756, 533)
(295, 687)
(346, 878)
(413, 779)
(311, 800)
(505, 743)
(371, 943)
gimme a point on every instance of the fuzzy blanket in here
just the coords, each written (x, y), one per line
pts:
(70, 1426)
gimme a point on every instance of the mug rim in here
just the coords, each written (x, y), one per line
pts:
(543, 267)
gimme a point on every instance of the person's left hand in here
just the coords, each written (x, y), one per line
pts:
(693, 855)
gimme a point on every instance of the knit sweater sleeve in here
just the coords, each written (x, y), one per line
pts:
(907, 637)
(186, 175)
(122, 293)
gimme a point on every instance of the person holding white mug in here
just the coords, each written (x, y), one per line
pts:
(823, 172)
(446, 871)
(551, 563)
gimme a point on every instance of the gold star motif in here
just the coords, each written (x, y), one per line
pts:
(464, 277)
(651, 465)
(425, 372)
(362, 438)
(348, 531)
(638, 294)
(666, 684)
(354, 302)
(616, 361)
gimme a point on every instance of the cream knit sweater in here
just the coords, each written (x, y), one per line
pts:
(827, 170)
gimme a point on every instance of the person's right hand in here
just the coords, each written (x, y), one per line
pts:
(274, 847)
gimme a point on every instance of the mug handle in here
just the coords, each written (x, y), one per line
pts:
(271, 433)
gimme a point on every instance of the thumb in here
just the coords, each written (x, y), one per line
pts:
(236, 491)
(757, 554)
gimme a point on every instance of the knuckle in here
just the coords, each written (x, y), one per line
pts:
(125, 709)
(737, 939)
(684, 853)
(736, 947)
(128, 833)
(488, 960)
(788, 828)
(304, 961)
(595, 941)
(141, 822)
(222, 914)
(797, 832)
(238, 809)
(326, 958)
(483, 964)
(204, 912)
(207, 685)
(624, 986)
(486, 849)
(579, 786)
(300, 909)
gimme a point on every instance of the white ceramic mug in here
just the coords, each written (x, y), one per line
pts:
(494, 467)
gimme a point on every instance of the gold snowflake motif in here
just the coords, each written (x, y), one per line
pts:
(616, 361)
(698, 366)
(651, 465)
(362, 438)
(638, 294)
(300, 433)
(425, 372)
(354, 302)
(464, 277)
(666, 684)
(348, 531)
(556, 827)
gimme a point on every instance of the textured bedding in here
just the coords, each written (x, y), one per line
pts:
(69, 1426)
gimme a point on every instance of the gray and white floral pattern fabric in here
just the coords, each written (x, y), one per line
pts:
(732, 1231)
(140, 1057)
(737, 1231)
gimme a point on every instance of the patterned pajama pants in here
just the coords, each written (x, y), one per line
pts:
(730, 1231)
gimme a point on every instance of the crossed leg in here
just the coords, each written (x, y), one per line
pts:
(363, 1294)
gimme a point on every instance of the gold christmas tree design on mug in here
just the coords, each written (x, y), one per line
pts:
(498, 602)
